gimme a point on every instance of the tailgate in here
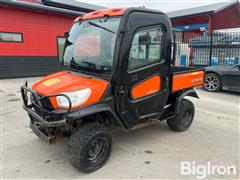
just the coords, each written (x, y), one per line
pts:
(184, 80)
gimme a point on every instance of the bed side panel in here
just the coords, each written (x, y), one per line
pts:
(187, 80)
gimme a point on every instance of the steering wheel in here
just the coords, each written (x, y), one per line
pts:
(90, 65)
(105, 65)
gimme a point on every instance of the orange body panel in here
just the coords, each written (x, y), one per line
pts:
(187, 80)
(102, 13)
(60, 82)
(147, 87)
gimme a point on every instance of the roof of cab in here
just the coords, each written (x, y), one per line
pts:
(114, 12)
(102, 13)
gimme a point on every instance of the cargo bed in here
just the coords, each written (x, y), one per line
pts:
(185, 77)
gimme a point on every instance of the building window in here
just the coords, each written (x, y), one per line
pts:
(11, 37)
(146, 47)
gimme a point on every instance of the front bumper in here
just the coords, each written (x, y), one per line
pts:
(44, 123)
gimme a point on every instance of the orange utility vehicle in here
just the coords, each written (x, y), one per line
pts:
(117, 73)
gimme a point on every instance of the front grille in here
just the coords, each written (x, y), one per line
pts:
(45, 102)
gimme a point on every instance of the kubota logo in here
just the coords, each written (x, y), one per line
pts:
(197, 80)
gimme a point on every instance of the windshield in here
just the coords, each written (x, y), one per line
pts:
(90, 45)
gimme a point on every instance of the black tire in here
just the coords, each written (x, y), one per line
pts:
(90, 147)
(185, 117)
(212, 82)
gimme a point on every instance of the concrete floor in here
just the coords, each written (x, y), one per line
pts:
(151, 152)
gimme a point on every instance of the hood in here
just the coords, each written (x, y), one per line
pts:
(66, 82)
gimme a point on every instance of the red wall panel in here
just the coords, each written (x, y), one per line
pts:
(39, 31)
(227, 18)
(197, 19)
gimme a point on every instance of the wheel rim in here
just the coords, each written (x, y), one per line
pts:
(96, 149)
(187, 116)
(211, 83)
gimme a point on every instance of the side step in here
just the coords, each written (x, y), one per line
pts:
(152, 121)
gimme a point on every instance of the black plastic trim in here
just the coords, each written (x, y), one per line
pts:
(93, 109)
(189, 92)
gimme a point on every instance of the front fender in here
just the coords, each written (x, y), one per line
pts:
(93, 109)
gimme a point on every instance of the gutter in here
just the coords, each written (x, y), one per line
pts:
(39, 7)
(64, 5)
(197, 14)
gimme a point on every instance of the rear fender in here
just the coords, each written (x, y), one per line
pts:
(189, 92)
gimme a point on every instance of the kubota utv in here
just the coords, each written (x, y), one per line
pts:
(117, 73)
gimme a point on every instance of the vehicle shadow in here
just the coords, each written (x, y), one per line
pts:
(132, 139)
(220, 92)
(136, 136)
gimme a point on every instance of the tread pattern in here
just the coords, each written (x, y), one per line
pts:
(78, 143)
(177, 123)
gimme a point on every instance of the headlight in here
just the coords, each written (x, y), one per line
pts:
(77, 98)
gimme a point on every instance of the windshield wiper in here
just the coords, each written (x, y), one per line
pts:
(96, 25)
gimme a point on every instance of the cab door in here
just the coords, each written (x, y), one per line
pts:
(144, 67)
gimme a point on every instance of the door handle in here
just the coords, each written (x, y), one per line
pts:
(165, 83)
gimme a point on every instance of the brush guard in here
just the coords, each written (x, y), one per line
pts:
(43, 121)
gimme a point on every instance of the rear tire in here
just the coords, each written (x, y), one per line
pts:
(90, 147)
(212, 82)
(184, 119)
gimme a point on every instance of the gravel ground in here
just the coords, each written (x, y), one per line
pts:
(151, 152)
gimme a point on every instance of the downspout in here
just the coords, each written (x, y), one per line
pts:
(210, 33)
(210, 26)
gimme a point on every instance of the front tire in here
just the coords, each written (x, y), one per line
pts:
(183, 120)
(212, 82)
(90, 147)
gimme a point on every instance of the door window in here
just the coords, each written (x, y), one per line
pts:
(146, 47)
